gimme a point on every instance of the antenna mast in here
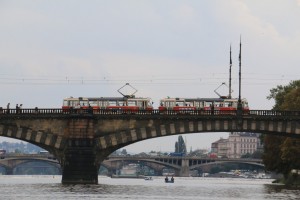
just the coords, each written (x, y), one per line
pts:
(230, 65)
(240, 69)
(239, 106)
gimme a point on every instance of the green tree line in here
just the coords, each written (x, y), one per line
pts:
(282, 154)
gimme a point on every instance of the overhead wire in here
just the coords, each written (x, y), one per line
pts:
(185, 79)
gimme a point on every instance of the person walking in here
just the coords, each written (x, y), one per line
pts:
(20, 108)
(212, 108)
(7, 108)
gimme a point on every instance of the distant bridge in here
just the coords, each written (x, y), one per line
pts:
(181, 165)
(82, 139)
(11, 161)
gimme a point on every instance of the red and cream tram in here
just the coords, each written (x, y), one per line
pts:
(130, 104)
(189, 104)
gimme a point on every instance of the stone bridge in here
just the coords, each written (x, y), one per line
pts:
(181, 165)
(82, 139)
(12, 161)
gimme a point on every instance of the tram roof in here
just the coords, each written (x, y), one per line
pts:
(107, 98)
(203, 99)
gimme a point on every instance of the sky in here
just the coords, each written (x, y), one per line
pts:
(55, 49)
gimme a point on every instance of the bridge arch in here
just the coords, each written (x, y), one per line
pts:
(181, 125)
(222, 162)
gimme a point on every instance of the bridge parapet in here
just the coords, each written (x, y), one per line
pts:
(118, 112)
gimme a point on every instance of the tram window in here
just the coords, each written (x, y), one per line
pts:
(112, 103)
(131, 103)
(93, 103)
(189, 103)
(74, 103)
(140, 104)
(104, 103)
(66, 103)
(180, 103)
(122, 103)
(83, 103)
(169, 104)
(207, 104)
(199, 104)
(234, 104)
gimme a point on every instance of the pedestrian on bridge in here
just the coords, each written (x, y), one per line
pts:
(17, 108)
(20, 108)
(212, 108)
(7, 108)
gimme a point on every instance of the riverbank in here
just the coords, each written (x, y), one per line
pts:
(291, 181)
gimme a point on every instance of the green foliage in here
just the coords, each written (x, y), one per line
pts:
(272, 153)
(247, 155)
(257, 154)
(281, 94)
(281, 154)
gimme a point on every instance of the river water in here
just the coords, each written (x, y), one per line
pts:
(50, 187)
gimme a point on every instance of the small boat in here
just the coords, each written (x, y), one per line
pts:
(148, 178)
(167, 180)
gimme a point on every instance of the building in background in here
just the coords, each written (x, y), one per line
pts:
(237, 145)
(219, 148)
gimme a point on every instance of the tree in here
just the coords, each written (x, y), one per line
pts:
(282, 95)
(281, 154)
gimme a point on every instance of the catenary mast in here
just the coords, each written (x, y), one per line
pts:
(230, 65)
(239, 108)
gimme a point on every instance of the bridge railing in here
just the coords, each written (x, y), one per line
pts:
(48, 111)
(31, 111)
